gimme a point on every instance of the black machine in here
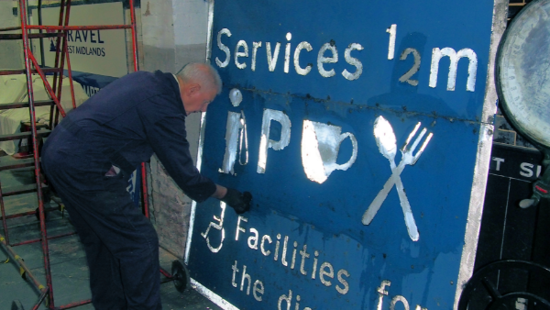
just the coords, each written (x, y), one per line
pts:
(523, 84)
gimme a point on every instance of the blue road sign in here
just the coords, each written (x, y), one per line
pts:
(363, 131)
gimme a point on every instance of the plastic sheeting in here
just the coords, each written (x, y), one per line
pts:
(13, 88)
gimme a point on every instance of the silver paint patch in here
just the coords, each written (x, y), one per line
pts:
(265, 142)
(220, 302)
(320, 147)
(416, 66)
(236, 97)
(483, 157)
(209, 30)
(232, 130)
(236, 137)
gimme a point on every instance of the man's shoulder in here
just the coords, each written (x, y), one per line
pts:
(143, 75)
(162, 95)
(147, 75)
(149, 84)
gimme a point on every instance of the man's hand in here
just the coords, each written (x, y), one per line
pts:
(237, 200)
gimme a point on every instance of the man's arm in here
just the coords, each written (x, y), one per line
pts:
(165, 130)
(220, 192)
(235, 199)
(168, 140)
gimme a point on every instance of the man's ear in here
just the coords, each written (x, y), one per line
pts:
(194, 89)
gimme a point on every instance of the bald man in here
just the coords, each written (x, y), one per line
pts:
(89, 157)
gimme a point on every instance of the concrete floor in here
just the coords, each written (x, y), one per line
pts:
(67, 259)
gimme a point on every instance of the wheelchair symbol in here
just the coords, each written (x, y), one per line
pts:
(217, 226)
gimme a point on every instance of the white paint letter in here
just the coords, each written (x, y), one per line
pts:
(382, 292)
(235, 271)
(246, 277)
(454, 57)
(323, 273)
(353, 61)
(253, 240)
(262, 245)
(255, 46)
(224, 48)
(241, 43)
(391, 45)
(258, 290)
(286, 298)
(287, 52)
(239, 228)
(399, 298)
(283, 254)
(272, 58)
(303, 45)
(321, 59)
(416, 66)
(344, 283)
(304, 255)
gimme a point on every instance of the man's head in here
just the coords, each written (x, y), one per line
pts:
(199, 84)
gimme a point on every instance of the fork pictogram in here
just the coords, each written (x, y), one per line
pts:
(408, 158)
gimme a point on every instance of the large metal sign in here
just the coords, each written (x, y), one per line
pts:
(363, 130)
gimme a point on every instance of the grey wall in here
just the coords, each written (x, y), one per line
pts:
(173, 34)
(11, 51)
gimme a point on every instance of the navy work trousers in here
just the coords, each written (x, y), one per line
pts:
(121, 244)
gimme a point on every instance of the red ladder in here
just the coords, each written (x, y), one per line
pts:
(31, 66)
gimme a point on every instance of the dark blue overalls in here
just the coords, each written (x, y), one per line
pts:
(121, 126)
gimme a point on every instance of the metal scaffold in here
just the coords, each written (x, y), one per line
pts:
(27, 33)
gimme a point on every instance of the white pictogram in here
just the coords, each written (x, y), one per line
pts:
(320, 147)
(236, 137)
(386, 141)
(217, 226)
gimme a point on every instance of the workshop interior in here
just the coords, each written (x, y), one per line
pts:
(395, 154)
